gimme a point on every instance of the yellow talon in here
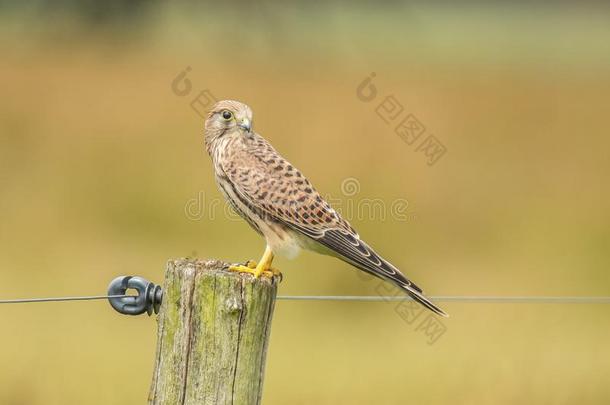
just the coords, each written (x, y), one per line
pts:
(240, 268)
(252, 264)
(258, 269)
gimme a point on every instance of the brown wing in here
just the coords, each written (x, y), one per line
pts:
(273, 187)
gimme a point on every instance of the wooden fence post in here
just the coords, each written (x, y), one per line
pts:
(213, 331)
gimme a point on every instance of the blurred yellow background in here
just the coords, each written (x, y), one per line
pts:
(101, 163)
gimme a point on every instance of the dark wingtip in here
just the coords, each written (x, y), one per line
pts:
(422, 299)
(435, 309)
(442, 313)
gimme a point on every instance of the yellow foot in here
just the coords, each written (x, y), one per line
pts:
(274, 272)
(251, 267)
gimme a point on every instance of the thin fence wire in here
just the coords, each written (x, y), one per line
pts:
(59, 299)
(453, 298)
(368, 298)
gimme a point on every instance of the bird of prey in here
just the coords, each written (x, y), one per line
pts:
(280, 203)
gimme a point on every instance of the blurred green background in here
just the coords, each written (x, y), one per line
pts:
(99, 159)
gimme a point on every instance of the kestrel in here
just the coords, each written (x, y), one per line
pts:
(281, 204)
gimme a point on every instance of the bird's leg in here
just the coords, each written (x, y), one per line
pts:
(264, 264)
(262, 267)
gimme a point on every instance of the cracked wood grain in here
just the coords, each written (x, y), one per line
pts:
(213, 332)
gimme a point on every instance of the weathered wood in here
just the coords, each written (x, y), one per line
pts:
(212, 335)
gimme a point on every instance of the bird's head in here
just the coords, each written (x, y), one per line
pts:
(228, 117)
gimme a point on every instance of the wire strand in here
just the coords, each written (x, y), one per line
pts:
(452, 298)
(59, 299)
(366, 298)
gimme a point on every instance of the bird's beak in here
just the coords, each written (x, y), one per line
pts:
(245, 124)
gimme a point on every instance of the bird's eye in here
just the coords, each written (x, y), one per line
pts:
(227, 115)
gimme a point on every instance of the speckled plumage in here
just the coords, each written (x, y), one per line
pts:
(280, 203)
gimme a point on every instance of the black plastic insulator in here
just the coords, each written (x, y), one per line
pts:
(148, 299)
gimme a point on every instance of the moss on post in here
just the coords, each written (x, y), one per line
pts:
(212, 337)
